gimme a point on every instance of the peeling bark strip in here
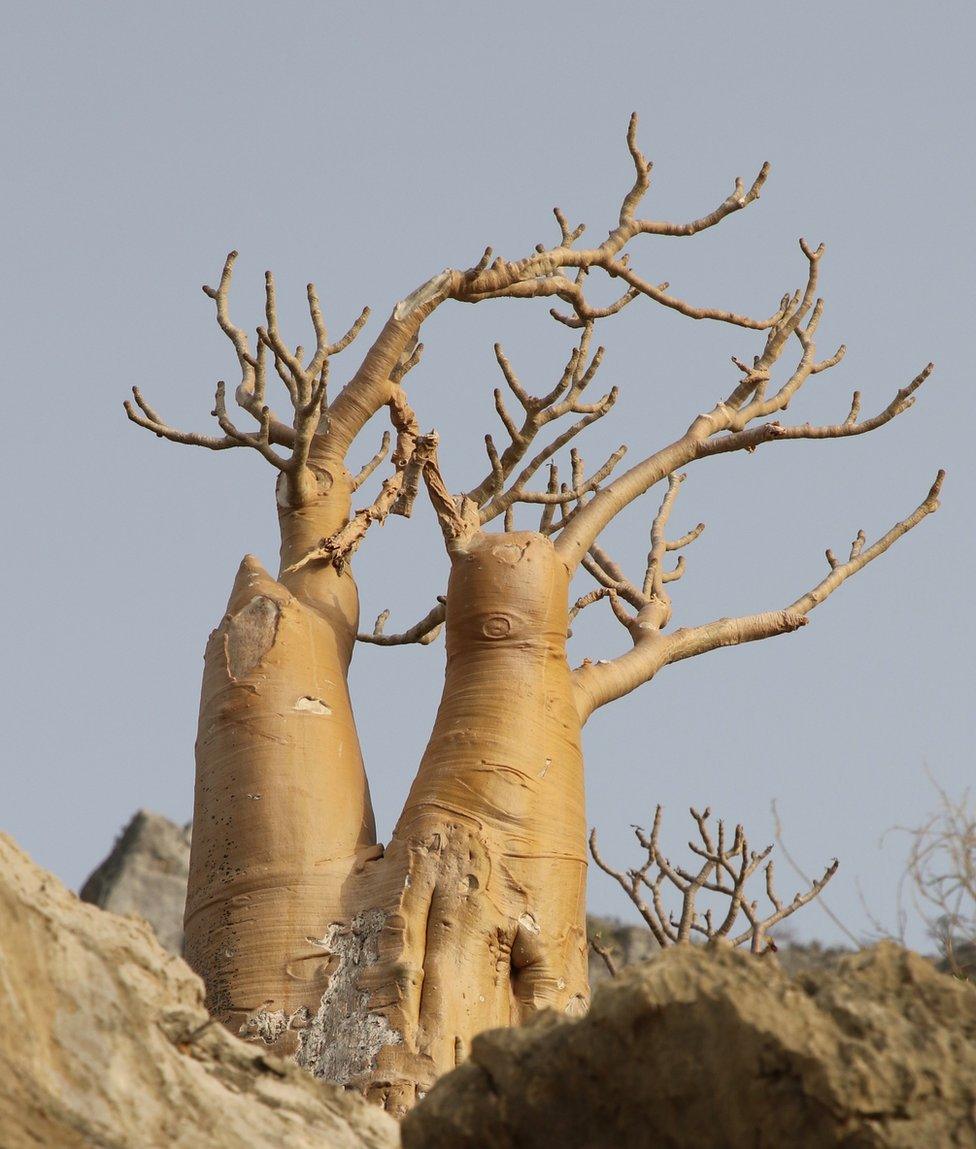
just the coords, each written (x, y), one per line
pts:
(379, 969)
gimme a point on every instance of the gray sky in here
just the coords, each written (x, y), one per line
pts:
(368, 146)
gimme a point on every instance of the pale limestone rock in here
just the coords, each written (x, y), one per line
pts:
(105, 1042)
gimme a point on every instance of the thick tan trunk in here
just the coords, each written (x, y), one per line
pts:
(475, 916)
(282, 814)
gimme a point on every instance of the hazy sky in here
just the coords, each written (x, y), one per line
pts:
(367, 146)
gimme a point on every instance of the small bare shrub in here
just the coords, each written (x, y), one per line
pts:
(724, 869)
(941, 874)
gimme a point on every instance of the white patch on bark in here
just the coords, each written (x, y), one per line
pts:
(577, 1005)
(425, 293)
(250, 635)
(311, 705)
(343, 1040)
(509, 553)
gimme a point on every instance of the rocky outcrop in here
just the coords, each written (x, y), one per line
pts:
(105, 1042)
(713, 1048)
(146, 874)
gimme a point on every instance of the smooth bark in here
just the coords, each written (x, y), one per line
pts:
(475, 916)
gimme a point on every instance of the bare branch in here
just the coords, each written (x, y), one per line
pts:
(599, 683)
(549, 497)
(841, 573)
(612, 595)
(154, 422)
(421, 633)
(503, 414)
(725, 428)
(512, 379)
(630, 883)
(562, 399)
(545, 522)
(306, 387)
(543, 273)
(941, 870)
(259, 440)
(604, 954)
(776, 432)
(778, 835)
(340, 345)
(587, 600)
(574, 493)
(250, 392)
(677, 544)
(568, 235)
(643, 175)
(584, 313)
(609, 575)
(676, 573)
(654, 573)
(651, 601)
(371, 466)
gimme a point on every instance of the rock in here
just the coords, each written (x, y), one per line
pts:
(713, 1048)
(627, 945)
(146, 874)
(801, 957)
(959, 958)
(105, 1042)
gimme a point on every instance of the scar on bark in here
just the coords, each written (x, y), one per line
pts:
(250, 635)
(342, 1041)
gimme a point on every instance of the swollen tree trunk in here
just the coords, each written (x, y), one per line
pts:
(282, 812)
(377, 968)
(475, 916)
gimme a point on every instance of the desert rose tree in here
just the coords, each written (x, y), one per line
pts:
(375, 965)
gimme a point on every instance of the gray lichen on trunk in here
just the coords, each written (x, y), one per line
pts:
(250, 635)
(343, 1040)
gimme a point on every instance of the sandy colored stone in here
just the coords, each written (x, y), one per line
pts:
(720, 1050)
(105, 1042)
